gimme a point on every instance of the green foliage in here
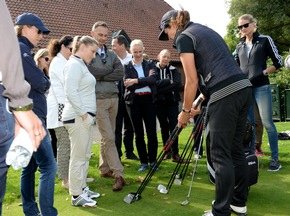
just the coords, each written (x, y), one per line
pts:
(273, 19)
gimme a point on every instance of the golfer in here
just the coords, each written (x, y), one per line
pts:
(209, 65)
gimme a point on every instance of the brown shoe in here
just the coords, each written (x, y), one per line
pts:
(119, 183)
(176, 158)
(107, 175)
(167, 156)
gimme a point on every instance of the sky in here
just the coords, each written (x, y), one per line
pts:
(212, 13)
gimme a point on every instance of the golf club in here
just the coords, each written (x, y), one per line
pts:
(131, 197)
(185, 202)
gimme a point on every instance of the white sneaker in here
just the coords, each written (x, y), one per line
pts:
(208, 213)
(83, 200)
(242, 211)
(90, 194)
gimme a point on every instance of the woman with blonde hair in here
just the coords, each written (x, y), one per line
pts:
(78, 117)
(252, 54)
(42, 60)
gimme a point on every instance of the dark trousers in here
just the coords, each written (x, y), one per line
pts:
(53, 140)
(227, 121)
(167, 113)
(144, 110)
(124, 119)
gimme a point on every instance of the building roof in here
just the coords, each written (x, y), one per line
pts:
(138, 18)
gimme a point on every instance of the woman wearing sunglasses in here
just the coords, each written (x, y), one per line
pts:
(30, 30)
(251, 54)
(42, 60)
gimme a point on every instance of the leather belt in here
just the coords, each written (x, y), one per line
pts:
(142, 93)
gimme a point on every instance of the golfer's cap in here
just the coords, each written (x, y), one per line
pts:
(31, 19)
(164, 22)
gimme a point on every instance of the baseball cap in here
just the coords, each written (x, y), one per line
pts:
(164, 22)
(31, 19)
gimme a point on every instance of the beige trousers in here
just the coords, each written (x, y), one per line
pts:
(106, 119)
(80, 135)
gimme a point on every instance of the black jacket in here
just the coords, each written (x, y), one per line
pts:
(263, 47)
(130, 72)
(166, 90)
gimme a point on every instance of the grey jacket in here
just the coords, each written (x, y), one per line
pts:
(107, 71)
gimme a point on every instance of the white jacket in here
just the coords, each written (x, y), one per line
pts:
(56, 93)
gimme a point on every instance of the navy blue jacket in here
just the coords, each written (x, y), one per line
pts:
(263, 47)
(35, 77)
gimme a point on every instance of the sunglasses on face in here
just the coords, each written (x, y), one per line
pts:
(244, 26)
(39, 32)
(46, 59)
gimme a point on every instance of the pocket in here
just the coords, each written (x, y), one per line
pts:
(7, 121)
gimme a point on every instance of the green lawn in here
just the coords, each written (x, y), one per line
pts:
(271, 196)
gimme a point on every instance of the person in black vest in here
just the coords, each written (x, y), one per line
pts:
(208, 63)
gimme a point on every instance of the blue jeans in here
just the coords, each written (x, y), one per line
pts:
(6, 138)
(263, 97)
(43, 160)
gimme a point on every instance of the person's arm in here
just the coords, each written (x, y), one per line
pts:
(16, 88)
(190, 88)
(118, 70)
(274, 55)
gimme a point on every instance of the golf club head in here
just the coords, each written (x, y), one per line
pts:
(164, 191)
(177, 182)
(184, 203)
(160, 187)
(131, 197)
(177, 176)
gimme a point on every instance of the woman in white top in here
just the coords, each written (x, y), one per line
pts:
(78, 117)
(60, 51)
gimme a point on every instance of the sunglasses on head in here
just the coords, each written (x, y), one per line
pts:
(46, 59)
(244, 26)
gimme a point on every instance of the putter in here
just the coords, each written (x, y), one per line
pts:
(131, 197)
(185, 202)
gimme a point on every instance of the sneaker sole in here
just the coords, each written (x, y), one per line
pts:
(269, 170)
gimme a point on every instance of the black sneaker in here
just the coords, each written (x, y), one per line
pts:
(274, 166)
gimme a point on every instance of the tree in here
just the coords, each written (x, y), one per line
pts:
(273, 19)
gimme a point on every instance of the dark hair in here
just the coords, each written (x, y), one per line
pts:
(182, 18)
(122, 40)
(54, 45)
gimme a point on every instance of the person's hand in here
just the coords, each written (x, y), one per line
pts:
(84, 116)
(32, 124)
(129, 82)
(151, 72)
(183, 119)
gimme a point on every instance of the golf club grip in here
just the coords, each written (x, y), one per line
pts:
(198, 102)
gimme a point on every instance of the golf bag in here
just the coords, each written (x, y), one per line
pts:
(252, 159)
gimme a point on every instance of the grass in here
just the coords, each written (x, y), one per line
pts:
(270, 196)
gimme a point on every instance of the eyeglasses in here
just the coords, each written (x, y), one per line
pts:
(46, 59)
(244, 26)
(70, 48)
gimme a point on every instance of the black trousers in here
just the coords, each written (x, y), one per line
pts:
(143, 112)
(226, 126)
(167, 113)
(124, 119)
